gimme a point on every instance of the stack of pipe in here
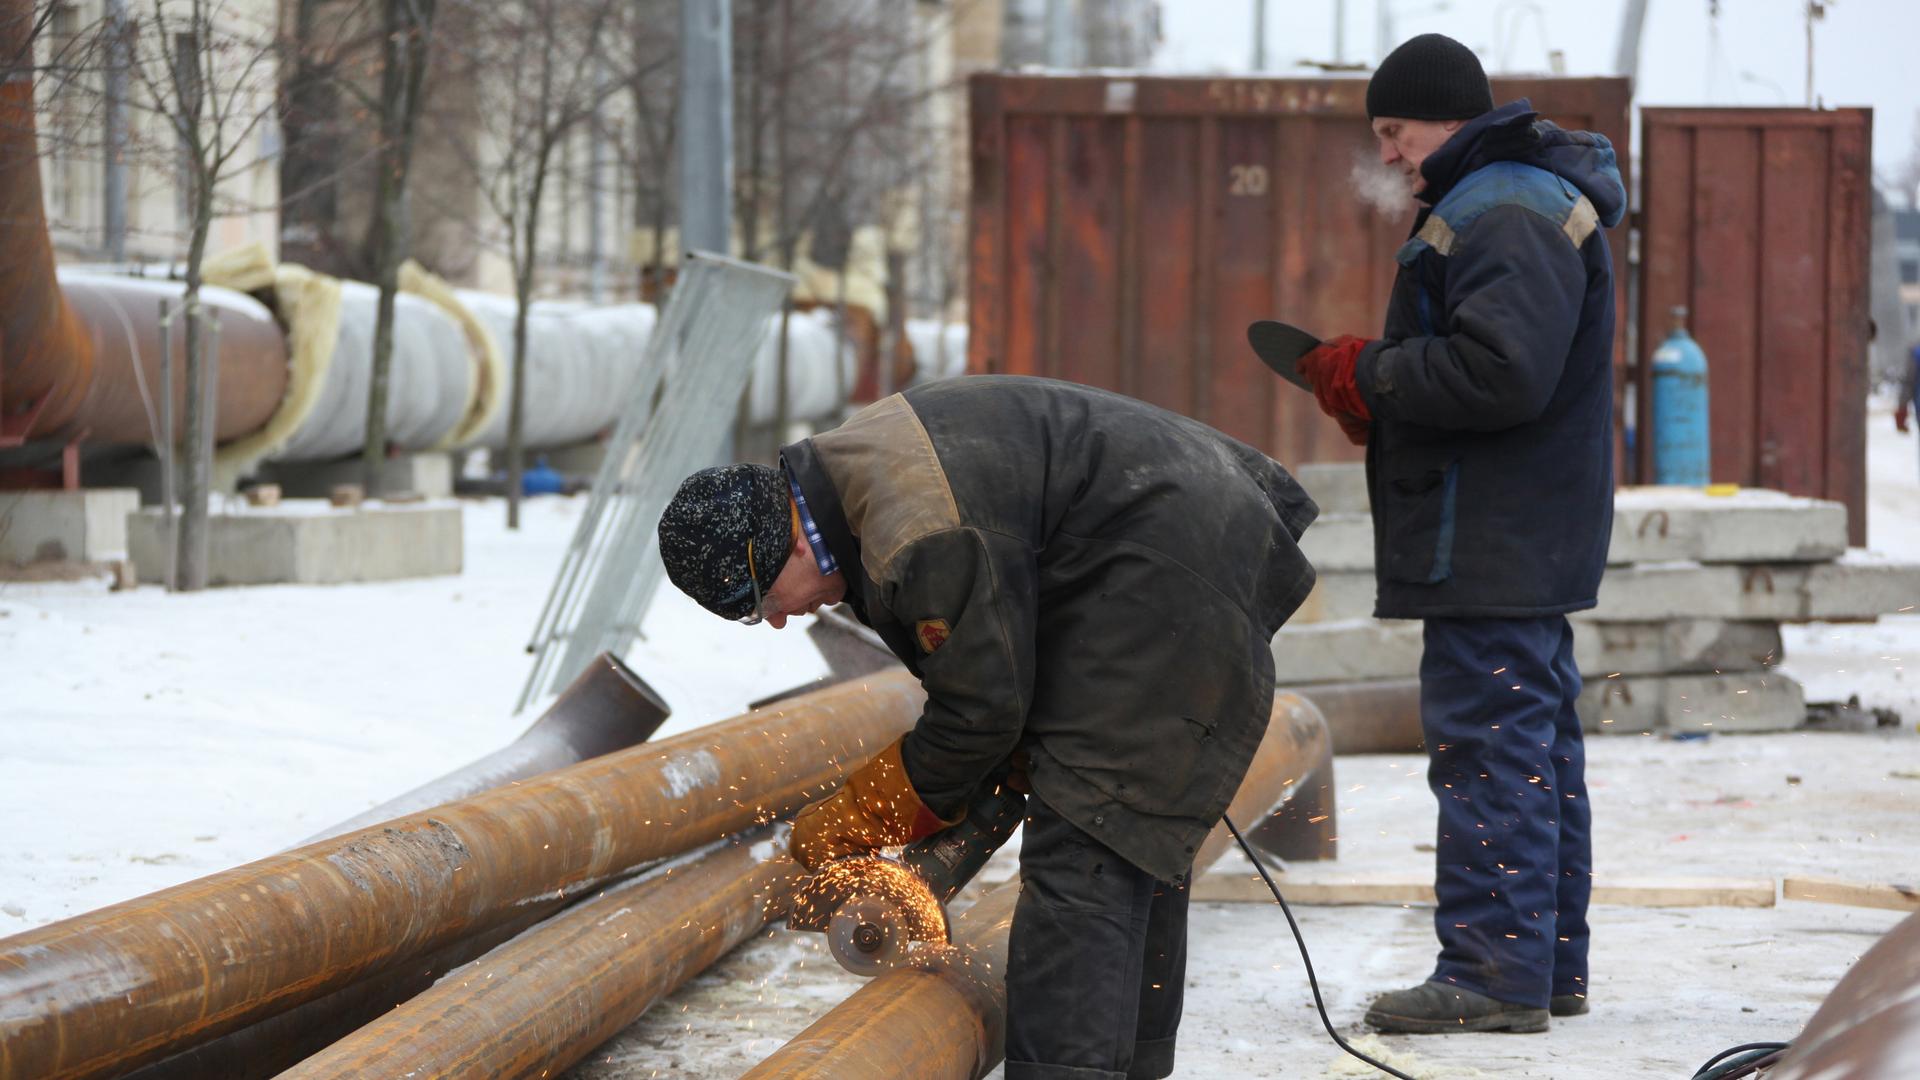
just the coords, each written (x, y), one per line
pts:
(132, 983)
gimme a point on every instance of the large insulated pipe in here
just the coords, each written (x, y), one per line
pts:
(80, 353)
(948, 1019)
(545, 1000)
(1869, 1026)
(606, 708)
(132, 982)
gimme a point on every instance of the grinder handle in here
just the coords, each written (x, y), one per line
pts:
(950, 858)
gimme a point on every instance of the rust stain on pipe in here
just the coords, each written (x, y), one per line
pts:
(948, 1019)
(1869, 1026)
(132, 982)
(1376, 717)
(544, 1000)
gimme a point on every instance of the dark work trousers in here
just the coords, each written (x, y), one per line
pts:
(1514, 858)
(1096, 960)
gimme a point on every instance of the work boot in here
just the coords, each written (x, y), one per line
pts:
(1568, 1005)
(1435, 1009)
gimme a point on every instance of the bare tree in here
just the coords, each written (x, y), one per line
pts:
(207, 71)
(535, 67)
(408, 26)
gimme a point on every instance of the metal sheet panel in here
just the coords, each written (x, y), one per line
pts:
(1126, 230)
(1756, 221)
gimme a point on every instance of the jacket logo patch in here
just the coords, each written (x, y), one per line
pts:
(931, 633)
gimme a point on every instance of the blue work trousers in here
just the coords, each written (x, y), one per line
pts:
(1505, 760)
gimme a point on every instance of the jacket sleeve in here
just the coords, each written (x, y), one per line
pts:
(1514, 289)
(972, 594)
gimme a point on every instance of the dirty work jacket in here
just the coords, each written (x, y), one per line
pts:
(1076, 573)
(1490, 462)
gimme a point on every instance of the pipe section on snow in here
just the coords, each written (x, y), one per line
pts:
(115, 988)
(947, 1019)
(543, 1001)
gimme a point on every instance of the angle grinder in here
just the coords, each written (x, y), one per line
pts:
(875, 909)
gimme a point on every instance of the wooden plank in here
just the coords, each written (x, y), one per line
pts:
(1028, 281)
(987, 226)
(1240, 886)
(1240, 390)
(1088, 312)
(1848, 311)
(1727, 252)
(1169, 223)
(1892, 897)
(1791, 370)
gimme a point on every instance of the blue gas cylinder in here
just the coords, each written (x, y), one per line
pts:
(542, 480)
(1681, 442)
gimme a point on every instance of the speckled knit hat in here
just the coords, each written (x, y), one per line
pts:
(704, 534)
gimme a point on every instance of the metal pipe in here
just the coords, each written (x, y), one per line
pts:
(607, 707)
(1377, 717)
(948, 1018)
(1870, 1024)
(546, 999)
(129, 983)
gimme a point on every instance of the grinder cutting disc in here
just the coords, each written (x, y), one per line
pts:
(867, 936)
(1280, 347)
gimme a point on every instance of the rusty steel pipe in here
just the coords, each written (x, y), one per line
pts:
(1377, 717)
(947, 1019)
(607, 707)
(546, 999)
(130, 983)
(1869, 1026)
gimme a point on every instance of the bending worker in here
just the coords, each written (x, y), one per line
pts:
(1071, 574)
(1486, 409)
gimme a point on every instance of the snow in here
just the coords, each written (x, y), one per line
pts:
(151, 739)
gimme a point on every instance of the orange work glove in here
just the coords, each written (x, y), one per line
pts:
(1329, 368)
(876, 808)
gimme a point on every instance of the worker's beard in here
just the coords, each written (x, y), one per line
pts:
(1383, 187)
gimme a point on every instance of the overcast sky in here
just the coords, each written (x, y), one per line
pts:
(1866, 52)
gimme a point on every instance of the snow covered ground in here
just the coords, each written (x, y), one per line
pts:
(148, 739)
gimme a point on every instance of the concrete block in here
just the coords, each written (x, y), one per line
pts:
(1337, 595)
(1358, 650)
(430, 474)
(85, 526)
(306, 542)
(1860, 585)
(1661, 524)
(1737, 702)
(1338, 542)
(1339, 487)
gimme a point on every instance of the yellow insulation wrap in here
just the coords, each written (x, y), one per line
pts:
(489, 383)
(309, 304)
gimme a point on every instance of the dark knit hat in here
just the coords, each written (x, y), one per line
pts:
(704, 534)
(1430, 77)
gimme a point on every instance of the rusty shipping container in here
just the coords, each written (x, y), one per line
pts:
(1126, 230)
(1757, 221)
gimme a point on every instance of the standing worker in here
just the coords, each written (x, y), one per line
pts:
(1909, 390)
(1075, 576)
(1486, 409)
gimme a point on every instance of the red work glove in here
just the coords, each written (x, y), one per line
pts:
(1900, 417)
(877, 808)
(1329, 369)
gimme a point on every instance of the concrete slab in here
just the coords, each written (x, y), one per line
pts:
(307, 542)
(1658, 524)
(1358, 650)
(1339, 487)
(85, 526)
(1859, 586)
(1733, 702)
(428, 474)
(1650, 524)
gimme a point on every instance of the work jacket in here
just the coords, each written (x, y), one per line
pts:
(1490, 459)
(1073, 573)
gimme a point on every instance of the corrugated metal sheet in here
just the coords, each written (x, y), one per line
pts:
(1758, 221)
(1126, 230)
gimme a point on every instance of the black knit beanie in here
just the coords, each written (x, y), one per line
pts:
(1430, 77)
(705, 530)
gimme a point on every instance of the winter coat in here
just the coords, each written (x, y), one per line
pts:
(1490, 462)
(1076, 574)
